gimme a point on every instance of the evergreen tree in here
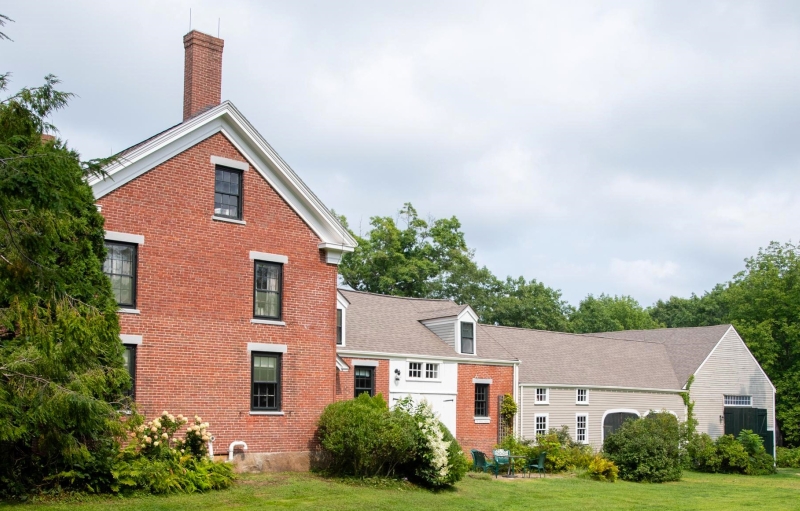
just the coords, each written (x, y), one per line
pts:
(62, 379)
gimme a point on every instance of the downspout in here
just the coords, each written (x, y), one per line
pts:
(516, 399)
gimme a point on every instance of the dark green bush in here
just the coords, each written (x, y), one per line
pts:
(647, 449)
(730, 455)
(788, 458)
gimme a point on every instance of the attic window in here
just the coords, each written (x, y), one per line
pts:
(228, 193)
(467, 338)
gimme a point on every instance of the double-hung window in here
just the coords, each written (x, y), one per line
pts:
(266, 379)
(268, 288)
(582, 396)
(339, 337)
(542, 397)
(129, 359)
(467, 338)
(228, 193)
(541, 424)
(415, 369)
(120, 266)
(481, 400)
(365, 380)
(581, 428)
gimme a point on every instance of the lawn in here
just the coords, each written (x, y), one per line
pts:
(307, 491)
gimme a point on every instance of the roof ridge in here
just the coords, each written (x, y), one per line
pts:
(571, 333)
(382, 295)
(665, 328)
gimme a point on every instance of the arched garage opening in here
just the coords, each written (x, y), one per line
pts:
(613, 420)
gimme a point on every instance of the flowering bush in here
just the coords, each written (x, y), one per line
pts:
(155, 461)
(440, 460)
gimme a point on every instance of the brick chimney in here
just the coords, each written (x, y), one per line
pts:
(202, 73)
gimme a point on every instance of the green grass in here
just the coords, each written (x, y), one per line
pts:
(308, 491)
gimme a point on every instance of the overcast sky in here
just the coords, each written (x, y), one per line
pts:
(641, 148)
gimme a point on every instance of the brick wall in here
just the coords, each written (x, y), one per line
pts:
(195, 294)
(345, 382)
(202, 73)
(480, 436)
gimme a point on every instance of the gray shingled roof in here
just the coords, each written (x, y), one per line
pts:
(570, 359)
(687, 347)
(391, 324)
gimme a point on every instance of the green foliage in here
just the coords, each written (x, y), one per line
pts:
(742, 455)
(61, 373)
(788, 458)
(156, 462)
(562, 453)
(508, 409)
(610, 313)
(647, 449)
(706, 310)
(364, 438)
(690, 426)
(601, 469)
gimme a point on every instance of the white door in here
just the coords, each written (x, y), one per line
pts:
(443, 405)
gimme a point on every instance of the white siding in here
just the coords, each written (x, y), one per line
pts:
(446, 330)
(562, 408)
(731, 370)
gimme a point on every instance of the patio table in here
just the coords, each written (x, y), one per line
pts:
(511, 464)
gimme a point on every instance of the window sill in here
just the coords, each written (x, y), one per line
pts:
(267, 322)
(426, 380)
(582, 404)
(229, 220)
(541, 403)
(482, 420)
(124, 310)
(266, 413)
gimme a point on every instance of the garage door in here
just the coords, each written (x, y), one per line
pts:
(444, 406)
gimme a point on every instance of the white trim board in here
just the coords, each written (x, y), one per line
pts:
(124, 237)
(267, 348)
(267, 257)
(404, 356)
(364, 363)
(227, 162)
(130, 339)
(487, 381)
(596, 387)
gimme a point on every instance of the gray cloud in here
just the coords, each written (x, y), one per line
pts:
(642, 148)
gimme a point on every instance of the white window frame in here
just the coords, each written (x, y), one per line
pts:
(737, 398)
(585, 428)
(536, 417)
(546, 400)
(431, 367)
(578, 395)
(421, 370)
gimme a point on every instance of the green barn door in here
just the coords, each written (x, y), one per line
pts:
(754, 419)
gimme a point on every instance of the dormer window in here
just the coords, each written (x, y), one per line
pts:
(467, 338)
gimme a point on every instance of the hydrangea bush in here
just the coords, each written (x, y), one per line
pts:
(440, 461)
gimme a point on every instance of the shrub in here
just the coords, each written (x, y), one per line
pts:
(156, 462)
(439, 460)
(562, 452)
(788, 458)
(742, 455)
(365, 439)
(647, 449)
(601, 469)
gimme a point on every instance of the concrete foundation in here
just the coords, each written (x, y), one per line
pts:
(272, 461)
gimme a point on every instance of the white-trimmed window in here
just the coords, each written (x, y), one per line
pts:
(415, 369)
(582, 396)
(582, 428)
(542, 396)
(540, 422)
(432, 371)
(738, 401)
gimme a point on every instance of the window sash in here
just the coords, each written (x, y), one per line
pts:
(467, 338)
(265, 375)
(541, 395)
(415, 369)
(129, 358)
(364, 380)
(267, 290)
(432, 371)
(120, 266)
(582, 396)
(339, 327)
(541, 425)
(738, 400)
(481, 400)
(228, 193)
(581, 425)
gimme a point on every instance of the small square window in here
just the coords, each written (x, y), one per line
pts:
(266, 381)
(432, 371)
(542, 396)
(228, 193)
(582, 396)
(415, 369)
(481, 400)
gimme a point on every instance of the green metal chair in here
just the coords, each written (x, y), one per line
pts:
(501, 458)
(538, 465)
(480, 463)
